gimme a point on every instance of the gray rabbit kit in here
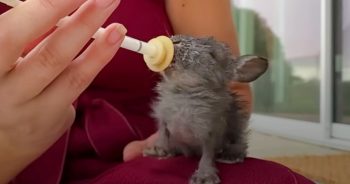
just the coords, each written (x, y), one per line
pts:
(196, 111)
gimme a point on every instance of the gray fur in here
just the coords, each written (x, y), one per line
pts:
(196, 111)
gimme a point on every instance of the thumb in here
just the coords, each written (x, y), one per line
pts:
(134, 149)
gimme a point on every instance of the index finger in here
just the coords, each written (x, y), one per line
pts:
(26, 22)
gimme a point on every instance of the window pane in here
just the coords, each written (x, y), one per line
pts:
(288, 33)
(342, 57)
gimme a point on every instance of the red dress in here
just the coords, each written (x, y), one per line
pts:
(114, 110)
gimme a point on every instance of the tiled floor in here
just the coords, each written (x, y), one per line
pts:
(263, 145)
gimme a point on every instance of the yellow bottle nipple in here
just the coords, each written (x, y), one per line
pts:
(163, 56)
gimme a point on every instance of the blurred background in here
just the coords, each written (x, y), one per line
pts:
(302, 104)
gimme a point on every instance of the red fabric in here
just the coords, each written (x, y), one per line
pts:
(178, 171)
(114, 110)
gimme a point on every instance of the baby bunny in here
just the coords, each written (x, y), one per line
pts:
(196, 111)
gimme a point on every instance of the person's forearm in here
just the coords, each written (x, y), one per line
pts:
(208, 18)
(204, 18)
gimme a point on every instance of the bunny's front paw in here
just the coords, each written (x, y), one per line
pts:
(157, 151)
(205, 177)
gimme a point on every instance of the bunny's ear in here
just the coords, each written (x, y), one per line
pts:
(249, 67)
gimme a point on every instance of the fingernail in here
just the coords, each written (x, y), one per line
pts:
(104, 3)
(117, 33)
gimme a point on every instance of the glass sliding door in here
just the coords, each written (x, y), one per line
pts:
(341, 54)
(305, 94)
(287, 32)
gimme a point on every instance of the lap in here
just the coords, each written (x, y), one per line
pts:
(178, 170)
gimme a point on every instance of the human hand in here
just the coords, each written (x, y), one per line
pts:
(37, 91)
(134, 149)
